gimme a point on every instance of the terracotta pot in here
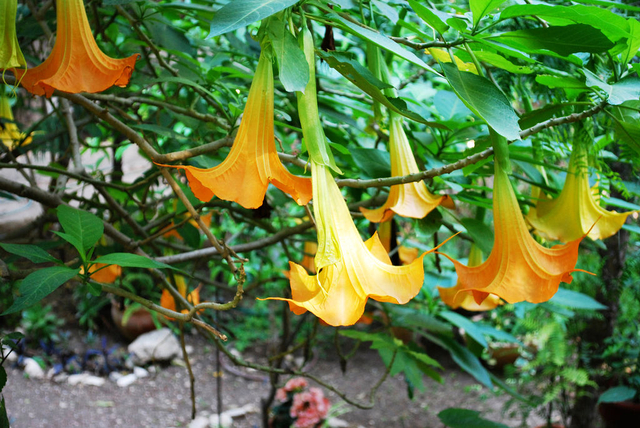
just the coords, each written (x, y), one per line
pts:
(623, 414)
(139, 322)
(505, 355)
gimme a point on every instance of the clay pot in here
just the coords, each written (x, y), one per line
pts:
(505, 355)
(623, 414)
(139, 322)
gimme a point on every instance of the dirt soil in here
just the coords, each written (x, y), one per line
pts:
(163, 399)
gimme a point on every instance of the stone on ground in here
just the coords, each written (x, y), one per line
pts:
(157, 345)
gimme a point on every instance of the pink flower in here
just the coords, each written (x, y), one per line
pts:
(296, 384)
(281, 395)
(309, 408)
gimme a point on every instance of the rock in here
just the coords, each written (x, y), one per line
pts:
(337, 423)
(33, 369)
(11, 356)
(85, 379)
(140, 372)
(189, 349)
(157, 345)
(225, 421)
(241, 411)
(199, 422)
(50, 373)
(60, 377)
(115, 376)
(127, 380)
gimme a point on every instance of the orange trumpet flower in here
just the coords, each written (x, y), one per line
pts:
(10, 135)
(10, 53)
(76, 63)
(106, 274)
(168, 302)
(349, 270)
(411, 199)
(576, 212)
(518, 268)
(253, 161)
(456, 300)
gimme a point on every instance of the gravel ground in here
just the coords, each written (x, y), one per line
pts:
(163, 400)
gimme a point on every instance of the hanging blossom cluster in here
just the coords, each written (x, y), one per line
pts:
(308, 407)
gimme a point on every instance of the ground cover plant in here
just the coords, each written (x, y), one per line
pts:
(323, 174)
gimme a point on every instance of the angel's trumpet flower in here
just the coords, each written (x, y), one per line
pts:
(407, 200)
(168, 302)
(9, 132)
(253, 161)
(576, 212)
(518, 268)
(349, 270)
(456, 300)
(10, 53)
(76, 63)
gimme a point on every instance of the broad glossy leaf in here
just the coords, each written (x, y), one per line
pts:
(292, 65)
(627, 89)
(85, 227)
(617, 394)
(627, 124)
(499, 61)
(373, 162)
(633, 43)
(614, 26)
(562, 40)
(240, 13)
(576, 300)
(466, 324)
(428, 16)
(485, 100)
(481, 8)
(465, 359)
(31, 252)
(481, 233)
(40, 284)
(131, 260)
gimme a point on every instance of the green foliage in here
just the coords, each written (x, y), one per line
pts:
(40, 323)
(464, 418)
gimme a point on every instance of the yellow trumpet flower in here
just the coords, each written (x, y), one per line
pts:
(411, 199)
(456, 300)
(349, 270)
(76, 63)
(576, 212)
(253, 161)
(10, 53)
(518, 268)
(9, 132)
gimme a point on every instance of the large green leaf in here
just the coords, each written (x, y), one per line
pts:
(633, 43)
(481, 233)
(464, 358)
(381, 41)
(40, 284)
(373, 162)
(481, 8)
(617, 394)
(360, 76)
(484, 99)
(614, 26)
(131, 260)
(31, 252)
(84, 227)
(428, 16)
(627, 124)
(466, 324)
(576, 300)
(626, 89)
(464, 418)
(240, 13)
(562, 40)
(292, 65)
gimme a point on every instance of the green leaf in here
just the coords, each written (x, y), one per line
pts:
(627, 124)
(617, 394)
(73, 241)
(31, 252)
(576, 300)
(428, 16)
(464, 358)
(240, 13)
(484, 99)
(3, 377)
(4, 419)
(561, 40)
(633, 43)
(468, 326)
(84, 227)
(360, 76)
(627, 89)
(40, 284)
(499, 61)
(464, 418)
(481, 8)
(131, 260)
(481, 233)
(292, 65)
(373, 162)
(381, 41)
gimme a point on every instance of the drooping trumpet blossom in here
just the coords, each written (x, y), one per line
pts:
(10, 53)
(168, 302)
(576, 212)
(410, 199)
(455, 300)
(106, 274)
(253, 161)
(349, 270)
(76, 63)
(9, 133)
(518, 268)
